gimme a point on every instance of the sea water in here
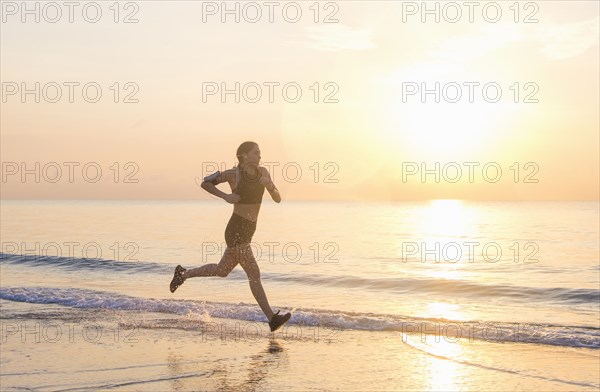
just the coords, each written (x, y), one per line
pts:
(520, 273)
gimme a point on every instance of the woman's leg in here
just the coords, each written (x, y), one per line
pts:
(238, 231)
(249, 264)
(228, 262)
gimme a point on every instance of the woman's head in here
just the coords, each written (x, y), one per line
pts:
(248, 152)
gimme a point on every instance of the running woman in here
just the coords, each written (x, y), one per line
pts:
(248, 182)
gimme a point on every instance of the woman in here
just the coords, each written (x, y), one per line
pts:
(248, 182)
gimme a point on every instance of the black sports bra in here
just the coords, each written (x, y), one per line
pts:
(249, 187)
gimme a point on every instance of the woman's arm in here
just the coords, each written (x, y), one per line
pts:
(209, 185)
(212, 189)
(270, 186)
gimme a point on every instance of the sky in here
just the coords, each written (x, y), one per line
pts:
(348, 100)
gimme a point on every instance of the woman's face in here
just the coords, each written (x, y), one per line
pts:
(253, 156)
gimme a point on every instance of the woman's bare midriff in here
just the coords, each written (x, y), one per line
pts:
(247, 211)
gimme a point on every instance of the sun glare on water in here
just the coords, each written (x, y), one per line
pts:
(438, 239)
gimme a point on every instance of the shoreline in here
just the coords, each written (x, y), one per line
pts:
(142, 351)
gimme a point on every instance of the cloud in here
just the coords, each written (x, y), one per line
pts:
(468, 47)
(555, 41)
(569, 40)
(335, 38)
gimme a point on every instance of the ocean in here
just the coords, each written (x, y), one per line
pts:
(487, 277)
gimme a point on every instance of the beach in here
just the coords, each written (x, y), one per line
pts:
(73, 323)
(150, 354)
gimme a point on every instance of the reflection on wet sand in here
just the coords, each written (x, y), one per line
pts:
(174, 365)
(227, 375)
(263, 363)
